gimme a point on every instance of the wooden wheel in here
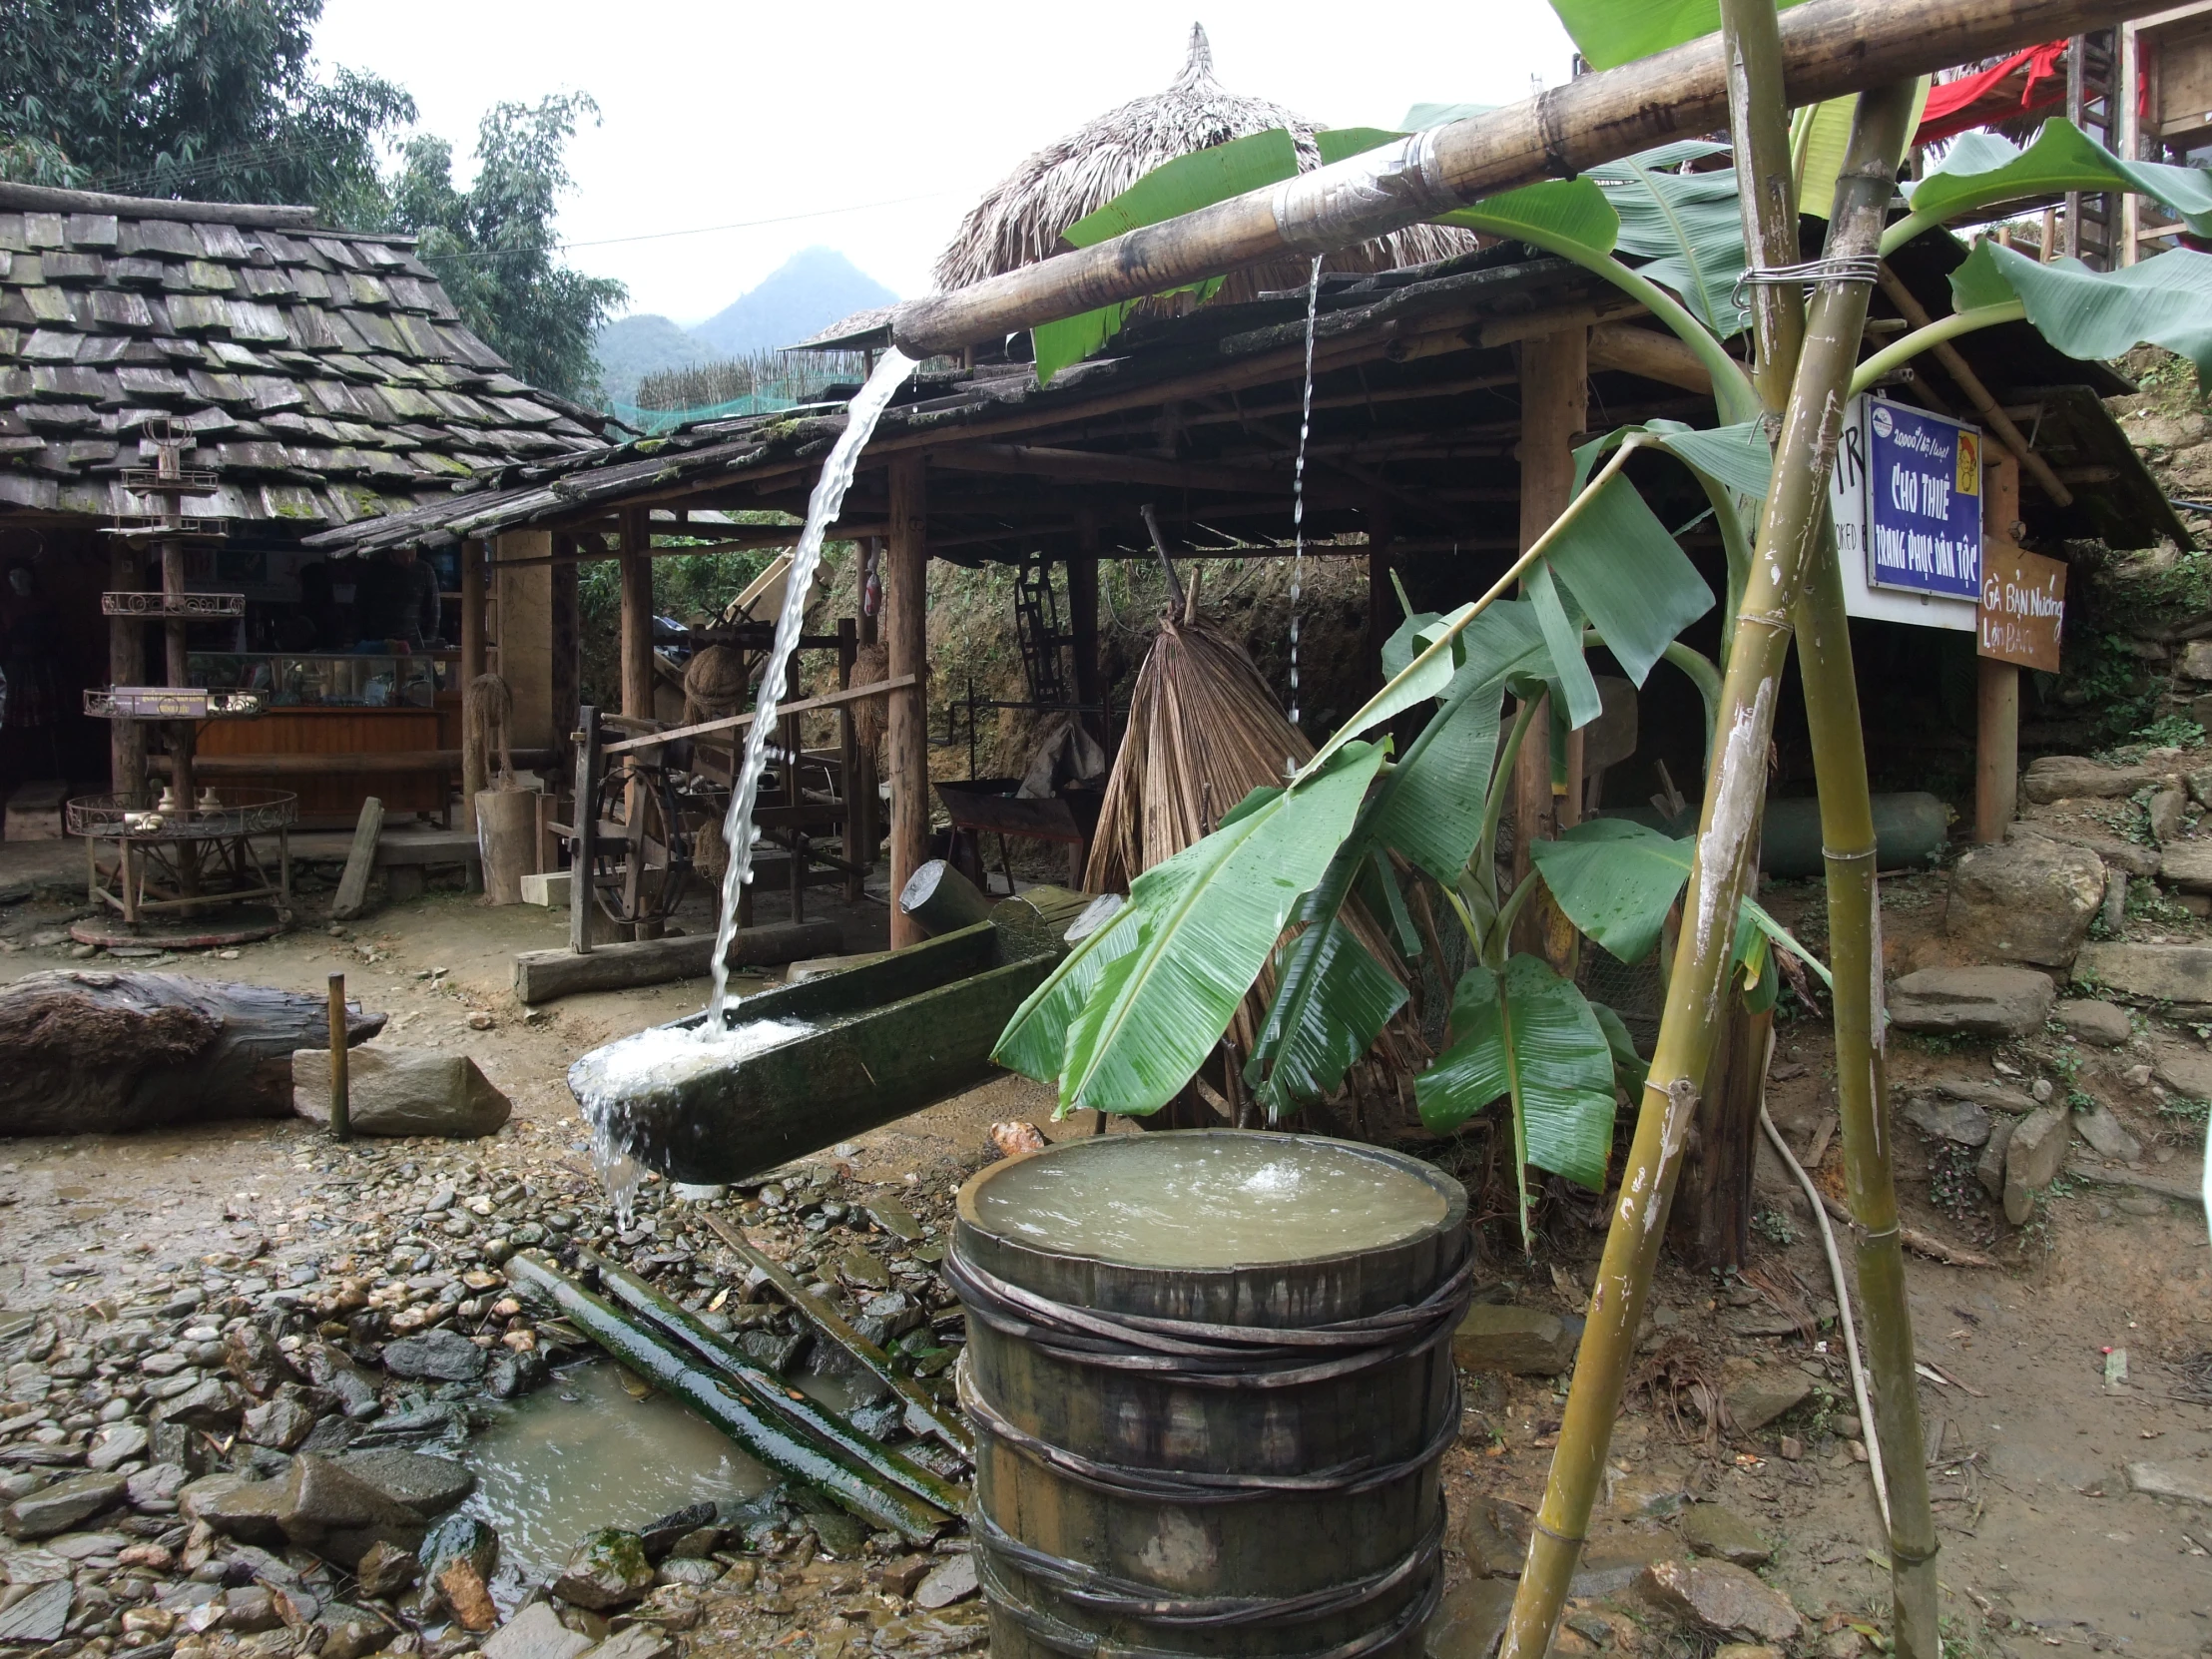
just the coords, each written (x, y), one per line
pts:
(644, 854)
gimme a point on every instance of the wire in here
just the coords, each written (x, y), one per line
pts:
(709, 230)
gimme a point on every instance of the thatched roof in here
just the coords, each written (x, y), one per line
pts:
(1023, 216)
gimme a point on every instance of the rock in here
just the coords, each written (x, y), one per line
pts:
(1723, 1597)
(2107, 1135)
(447, 1356)
(2029, 900)
(1646, 1495)
(1750, 1650)
(1715, 1529)
(459, 1538)
(511, 1374)
(2087, 1020)
(252, 1355)
(2187, 865)
(464, 1591)
(898, 1222)
(40, 1616)
(1493, 1537)
(2076, 776)
(1949, 1120)
(1974, 1002)
(279, 1423)
(2171, 1480)
(386, 1570)
(2165, 810)
(1766, 1394)
(1989, 1169)
(399, 1091)
(427, 1486)
(640, 1641)
(349, 1638)
(208, 1403)
(952, 1579)
(2131, 857)
(1526, 1341)
(1998, 1097)
(864, 1268)
(1470, 1620)
(59, 1508)
(339, 1515)
(250, 1608)
(608, 1569)
(2187, 1072)
(155, 1489)
(536, 1633)
(2154, 972)
(118, 1442)
(662, 1537)
(2032, 1160)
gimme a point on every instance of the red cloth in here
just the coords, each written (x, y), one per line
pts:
(1953, 108)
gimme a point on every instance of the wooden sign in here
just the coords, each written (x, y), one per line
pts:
(2023, 604)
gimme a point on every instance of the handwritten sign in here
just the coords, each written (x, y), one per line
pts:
(2023, 604)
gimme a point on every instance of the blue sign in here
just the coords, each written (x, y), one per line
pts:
(1924, 502)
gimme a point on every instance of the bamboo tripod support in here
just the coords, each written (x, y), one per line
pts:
(1789, 539)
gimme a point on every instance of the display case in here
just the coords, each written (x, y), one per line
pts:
(347, 680)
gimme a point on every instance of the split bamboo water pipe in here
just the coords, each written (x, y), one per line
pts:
(1828, 47)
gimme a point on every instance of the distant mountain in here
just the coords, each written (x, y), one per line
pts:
(640, 345)
(809, 292)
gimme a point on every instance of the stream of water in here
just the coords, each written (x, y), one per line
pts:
(823, 506)
(1298, 476)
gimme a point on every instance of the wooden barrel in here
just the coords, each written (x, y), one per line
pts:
(1210, 1446)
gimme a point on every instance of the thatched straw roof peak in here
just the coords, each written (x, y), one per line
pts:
(1023, 218)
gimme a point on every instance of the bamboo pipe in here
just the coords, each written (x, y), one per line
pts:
(1828, 47)
(1736, 780)
(341, 1095)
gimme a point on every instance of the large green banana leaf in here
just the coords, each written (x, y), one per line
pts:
(1429, 808)
(1637, 587)
(1609, 33)
(1034, 1042)
(1332, 1003)
(1689, 226)
(1982, 170)
(1209, 918)
(1528, 1036)
(1177, 187)
(1736, 458)
(2094, 314)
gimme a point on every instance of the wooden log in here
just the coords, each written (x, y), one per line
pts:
(94, 1053)
(907, 633)
(352, 763)
(341, 1093)
(939, 899)
(841, 697)
(1828, 47)
(948, 1426)
(1650, 354)
(801, 1415)
(360, 858)
(727, 1405)
(543, 975)
(506, 835)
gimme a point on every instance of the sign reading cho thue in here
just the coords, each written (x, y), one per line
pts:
(1924, 502)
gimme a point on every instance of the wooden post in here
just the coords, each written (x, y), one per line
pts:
(2077, 53)
(848, 763)
(907, 633)
(583, 832)
(1090, 679)
(342, 1103)
(181, 732)
(2127, 143)
(1996, 684)
(637, 614)
(1554, 370)
(125, 667)
(1382, 606)
(475, 762)
(566, 627)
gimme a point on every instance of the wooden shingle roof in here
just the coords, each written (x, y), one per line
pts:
(324, 375)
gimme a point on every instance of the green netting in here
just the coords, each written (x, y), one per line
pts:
(665, 421)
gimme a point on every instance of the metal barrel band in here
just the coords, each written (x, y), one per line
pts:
(1184, 1486)
(1110, 1597)
(1201, 1354)
(1061, 1638)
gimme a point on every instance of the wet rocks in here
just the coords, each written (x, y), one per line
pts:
(118, 1442)
(399, 1091)
(1973, 1001)
(1524, 1341)
(279, 1423)
(608, 1569)
(340, 1517)
(2026, 900)
(428, 1486)
(1715, 1530)
(1723, 1597)
(57, 1507)
(2032, 1160)
(40, 1616)
(386, 1570)
(445, 1355)
(952, 1579)
(2102, 1024)
(535, 1633)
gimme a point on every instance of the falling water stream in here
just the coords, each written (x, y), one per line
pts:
(1298, 476)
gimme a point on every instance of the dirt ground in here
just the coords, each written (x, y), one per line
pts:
(2045, 1543)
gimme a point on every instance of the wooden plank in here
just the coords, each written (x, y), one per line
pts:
(738, 723)
(353, 885)
(308, 764)
(907, 634)
(584, 834)
(544, 976)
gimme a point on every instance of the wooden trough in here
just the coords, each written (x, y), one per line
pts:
(890, 1036)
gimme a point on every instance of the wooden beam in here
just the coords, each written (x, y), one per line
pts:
(637, 614)
(545, 975)
(567, 639)
(1089, 466)
(1650, 354)
(737, 722)
(475, 764)
(352, 764)
(907, 633)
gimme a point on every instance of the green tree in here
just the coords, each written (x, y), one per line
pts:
(217, 100)
(494, 246)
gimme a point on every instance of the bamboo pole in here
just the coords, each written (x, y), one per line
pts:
(907, 633)
(1789, 535)
(1828, 47)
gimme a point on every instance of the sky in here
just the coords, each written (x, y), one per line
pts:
(872, 128)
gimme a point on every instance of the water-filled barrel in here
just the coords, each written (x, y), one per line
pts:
(1210, 1375)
